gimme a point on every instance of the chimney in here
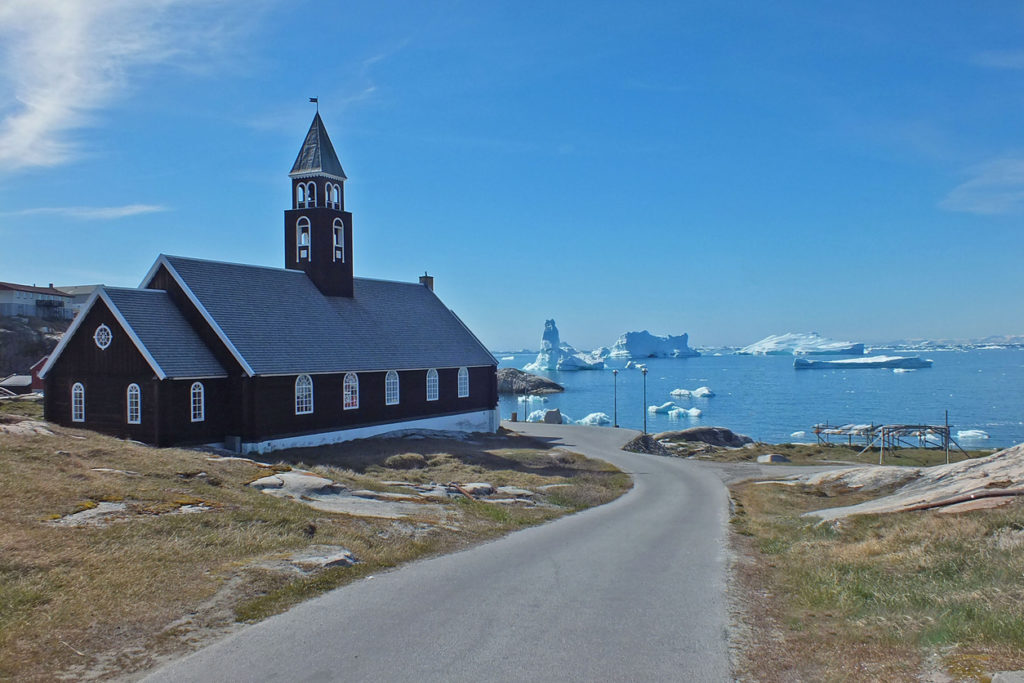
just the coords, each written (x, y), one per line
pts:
(51, 285)
(427, 281)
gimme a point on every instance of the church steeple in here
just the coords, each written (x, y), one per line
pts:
(317, 229)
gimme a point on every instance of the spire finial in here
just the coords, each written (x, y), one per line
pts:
(316, 101)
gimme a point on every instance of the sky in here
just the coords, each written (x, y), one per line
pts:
(726, 169)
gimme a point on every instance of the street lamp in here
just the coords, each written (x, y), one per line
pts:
(644, 371)
(615, 380)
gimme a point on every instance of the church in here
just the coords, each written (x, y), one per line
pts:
(256, 358)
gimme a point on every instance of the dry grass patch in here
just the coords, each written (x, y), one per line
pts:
(814, 454)
(875, 597)
(117, 595)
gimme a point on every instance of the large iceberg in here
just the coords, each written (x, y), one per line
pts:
(867, 362)
(556, 355)
(802, 344)
(646, 345)
(595, 420)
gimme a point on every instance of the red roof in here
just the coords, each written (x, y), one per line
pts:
(35, 290)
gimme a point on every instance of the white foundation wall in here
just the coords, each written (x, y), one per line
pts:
(479, 421)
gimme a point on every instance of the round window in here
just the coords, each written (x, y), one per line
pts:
(102, 336)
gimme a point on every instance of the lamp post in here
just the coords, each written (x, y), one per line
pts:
(644, 371)
(615, 394)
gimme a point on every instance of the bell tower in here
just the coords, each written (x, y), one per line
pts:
(317, 229)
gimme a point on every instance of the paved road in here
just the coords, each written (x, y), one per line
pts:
(629, 591)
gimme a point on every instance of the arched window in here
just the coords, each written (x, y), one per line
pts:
(339, 240)
(77, 402)
(303, 395)
(431, 385)
(134, 404)
(300, 196)
(391, 388)
(351, 391)
(302, 239)
(198, 394)
(463, 382)
(311, 192)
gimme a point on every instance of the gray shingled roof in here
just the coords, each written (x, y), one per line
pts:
(317, 154)
(165, 333)
(282, 324)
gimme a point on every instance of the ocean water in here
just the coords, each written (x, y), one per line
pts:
(765, 398)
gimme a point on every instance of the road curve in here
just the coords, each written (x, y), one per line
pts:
(629, 591)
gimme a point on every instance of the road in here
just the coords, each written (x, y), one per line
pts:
(629, 591)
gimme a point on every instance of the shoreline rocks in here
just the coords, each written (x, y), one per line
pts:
(515, 381)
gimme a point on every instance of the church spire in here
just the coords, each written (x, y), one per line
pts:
(317, 156)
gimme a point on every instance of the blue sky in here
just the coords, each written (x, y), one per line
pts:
(727, 169)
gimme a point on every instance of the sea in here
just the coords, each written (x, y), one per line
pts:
(765, 398)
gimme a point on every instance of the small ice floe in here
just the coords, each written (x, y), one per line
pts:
(677, 413)
(508, 357)
(595, 420)
(699, 392)
(663, 408)
(532, 399)
(971, 434)
(798, 435)
(900, 371)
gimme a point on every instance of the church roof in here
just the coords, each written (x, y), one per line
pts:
(317, 155)
(277, 322)
(164, 332)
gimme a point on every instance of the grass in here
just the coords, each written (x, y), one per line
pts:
(876, 597)
(814, 454)
(102, 601)
(22, 407)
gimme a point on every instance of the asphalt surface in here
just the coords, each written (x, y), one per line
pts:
(629, 591)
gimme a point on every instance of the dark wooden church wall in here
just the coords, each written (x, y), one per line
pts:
(105, 374)
(176, 425)
(274, 401)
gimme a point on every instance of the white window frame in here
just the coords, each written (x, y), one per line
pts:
(432, 390)
(392, 389)
(197, 400)
(303, 249)
(102, 336)
(78, 402)
(350, 391)
(303, 395)
(134, 410)
(339, 240)
(463, 382)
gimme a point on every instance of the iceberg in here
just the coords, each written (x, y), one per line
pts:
(663, 408)
(595, 419)
(646, 345)
(868, 362)
(798, 435)
(971, 434)
(677, 413)
(531, 398)
(508, 357)
(536, 416)
(699, 392)
(801, 344)
(555, 355)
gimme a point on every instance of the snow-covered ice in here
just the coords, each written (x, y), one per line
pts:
(646, 345)
(799, 343)
(536, 416)
(595, 419)
(865, 362)
(556, 355)
(971, 434)
(699, 392)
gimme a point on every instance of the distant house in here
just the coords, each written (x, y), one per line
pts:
(17, 384)
(79, 295)
(261, 358)
(37, 382)
(34, 302)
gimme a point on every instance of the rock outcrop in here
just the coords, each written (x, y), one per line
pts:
(515, 381)
(715, 436)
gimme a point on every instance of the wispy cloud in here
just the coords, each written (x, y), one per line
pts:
(1000, 59)
(90, 213)
(62, 60)
(996, 188)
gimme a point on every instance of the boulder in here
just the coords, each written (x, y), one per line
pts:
(515, 381)
(552, 417)
(715, 436)
(478, 488)
(772, 457)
